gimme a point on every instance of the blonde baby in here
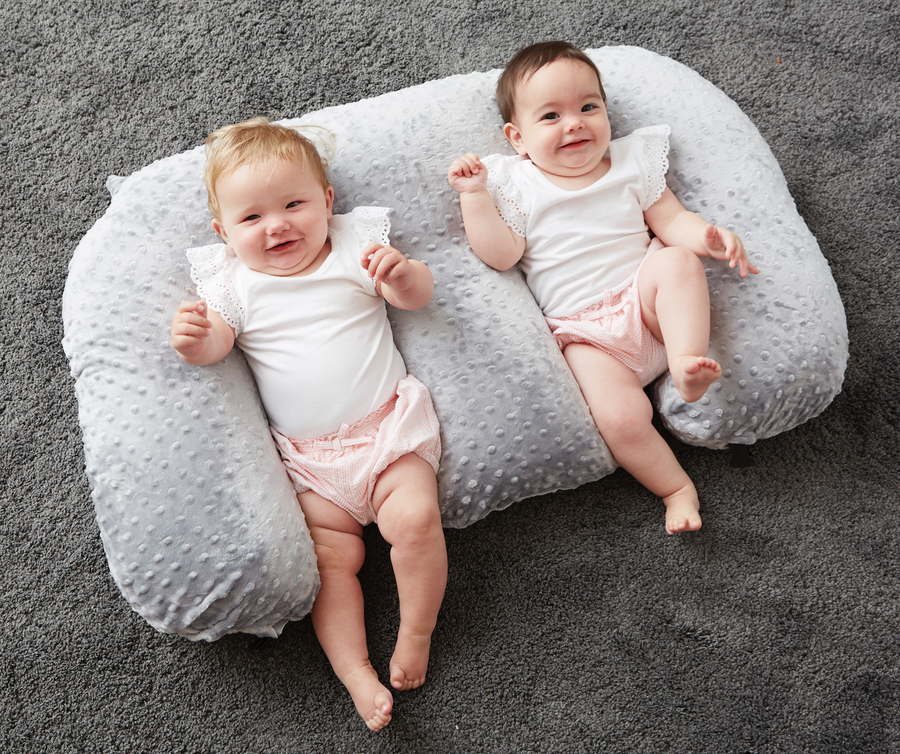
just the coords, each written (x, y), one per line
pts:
(302, 292)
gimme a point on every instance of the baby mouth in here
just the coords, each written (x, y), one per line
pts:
(283, 246)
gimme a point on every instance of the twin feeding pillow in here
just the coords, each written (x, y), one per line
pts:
(199, 522)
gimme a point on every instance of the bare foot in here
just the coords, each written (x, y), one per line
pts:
(682, 511)
(693, 375)
(410, 660)
(373, 701)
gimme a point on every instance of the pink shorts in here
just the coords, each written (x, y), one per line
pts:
(615, 326)
(344, 467)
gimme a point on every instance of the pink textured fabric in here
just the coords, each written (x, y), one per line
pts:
(615, 326)
(344, 467)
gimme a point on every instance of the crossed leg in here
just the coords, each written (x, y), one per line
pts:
(675, 306)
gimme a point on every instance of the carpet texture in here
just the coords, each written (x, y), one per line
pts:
(572, 623)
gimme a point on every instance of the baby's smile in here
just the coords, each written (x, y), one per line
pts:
(283, 246)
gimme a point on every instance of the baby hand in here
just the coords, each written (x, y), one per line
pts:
(386, 265)
(467, 174)
(723, 244)
(190, 328)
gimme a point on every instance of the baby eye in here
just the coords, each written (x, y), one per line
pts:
(550, 116)
(588, 108)
(250, 218)
(293, 204)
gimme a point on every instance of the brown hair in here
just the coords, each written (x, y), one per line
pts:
(252, 142)
(526, 62)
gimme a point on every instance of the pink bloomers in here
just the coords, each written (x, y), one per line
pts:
(615, 326)
(344, 467)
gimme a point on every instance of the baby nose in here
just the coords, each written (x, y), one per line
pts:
(278, 225)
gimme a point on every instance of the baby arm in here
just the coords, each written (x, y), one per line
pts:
(200, 336)
(404, 283)
(491, 239)
(676, 226)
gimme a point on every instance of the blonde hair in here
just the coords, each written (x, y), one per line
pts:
(528, 61)
(256, 141)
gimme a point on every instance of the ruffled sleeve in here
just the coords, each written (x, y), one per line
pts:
(507, 195)
(655, 154)
(210, 273)
(360, 227)
(370, 224)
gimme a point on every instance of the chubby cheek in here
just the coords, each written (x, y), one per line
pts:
(244, 245)
(520, 149)
(322, 229)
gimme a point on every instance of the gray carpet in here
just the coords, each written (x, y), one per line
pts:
(571, 622)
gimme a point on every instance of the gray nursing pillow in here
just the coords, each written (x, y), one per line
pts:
(200, 526)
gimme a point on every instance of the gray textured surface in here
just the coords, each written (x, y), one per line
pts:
(198, 523)
(198, 519)
(571, 622)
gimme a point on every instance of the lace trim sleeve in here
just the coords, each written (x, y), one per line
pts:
(655, 153)
(371, 224)
(506, 194)
(209, 271)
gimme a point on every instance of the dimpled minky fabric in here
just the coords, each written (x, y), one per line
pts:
(199, 523)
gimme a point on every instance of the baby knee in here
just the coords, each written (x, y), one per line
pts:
(628, 425)
(416, 522)
(680, 260)
(345, 553)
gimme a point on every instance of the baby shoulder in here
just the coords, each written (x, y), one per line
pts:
(207, 261)
(211, 273)
(650, 146)
(366, 224)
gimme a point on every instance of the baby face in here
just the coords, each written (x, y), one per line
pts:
(561, 123)
(275, 217)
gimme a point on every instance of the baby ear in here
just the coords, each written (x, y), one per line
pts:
(219, 229)
(514, 137)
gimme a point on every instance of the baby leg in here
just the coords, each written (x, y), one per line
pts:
(337, 614)
(623, 414)
(410, 521)
(675, 306)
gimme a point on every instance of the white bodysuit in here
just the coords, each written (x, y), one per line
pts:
(580, 244)
(320, 345)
